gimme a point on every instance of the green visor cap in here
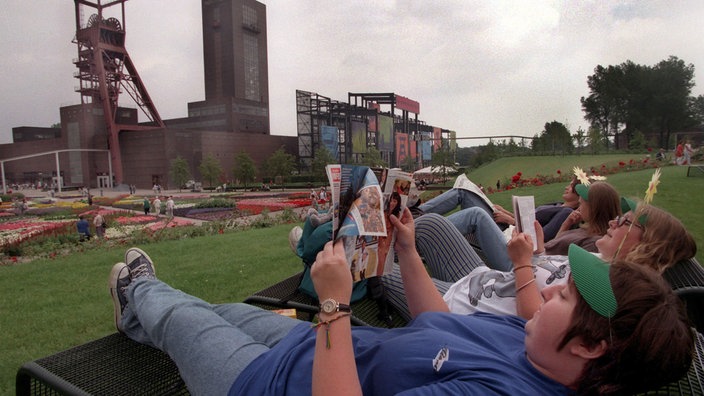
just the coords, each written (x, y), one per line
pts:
(591, 276)
(628, 205)
(582, 191)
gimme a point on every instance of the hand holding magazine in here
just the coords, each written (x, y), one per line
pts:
(524, 211)
(361, 209)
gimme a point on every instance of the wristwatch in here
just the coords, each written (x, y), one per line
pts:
(330, 306)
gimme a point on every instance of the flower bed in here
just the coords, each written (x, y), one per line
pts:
(257, 205)
(17, 231)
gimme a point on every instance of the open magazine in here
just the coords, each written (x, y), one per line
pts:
(464, 183)
(524, 212)
(362, 201)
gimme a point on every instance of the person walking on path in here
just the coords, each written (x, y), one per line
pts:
(157, 206)
(99, 223)
(146, 205)
(170, 207)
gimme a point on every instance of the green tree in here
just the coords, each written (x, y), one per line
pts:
(555, 138)
(637, 142)
(442, 160)
(580, 137)
(210, 169)
(409, 164)
(629, 97)
(180, 172)
(280, 164)
(372, 158)
(321, 159)
(244, 169)
(595, 139)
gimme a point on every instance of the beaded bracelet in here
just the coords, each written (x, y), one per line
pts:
(523, 266)
(327, 327)
(524, 285)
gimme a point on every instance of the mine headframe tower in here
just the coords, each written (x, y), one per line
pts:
(105, 70)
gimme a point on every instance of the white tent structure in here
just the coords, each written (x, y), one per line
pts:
(434, 170)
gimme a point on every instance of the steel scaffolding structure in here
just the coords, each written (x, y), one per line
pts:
(105, 70)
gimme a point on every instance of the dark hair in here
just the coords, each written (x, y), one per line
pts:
(396, 210)
(650, 341)
(573, 184)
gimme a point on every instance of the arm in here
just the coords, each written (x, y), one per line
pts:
(333, 347)
(552, 227)
(421, 293)
(502, 215)
(574, 218)
(528, 297)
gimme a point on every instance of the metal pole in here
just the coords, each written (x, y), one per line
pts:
(110, 170)
(58, 171)
(4, 183)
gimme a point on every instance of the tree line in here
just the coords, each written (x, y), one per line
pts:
(279, 165)
(630, 107)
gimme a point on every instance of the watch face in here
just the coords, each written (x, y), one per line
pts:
(328, 306)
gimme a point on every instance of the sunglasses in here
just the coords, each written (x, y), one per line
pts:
(621, 220)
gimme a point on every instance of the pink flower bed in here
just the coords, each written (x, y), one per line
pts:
(124, 220)
(17, 231)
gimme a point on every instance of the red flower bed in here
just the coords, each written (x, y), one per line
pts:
(256, 206)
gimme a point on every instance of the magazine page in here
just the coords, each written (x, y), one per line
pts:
(333, 172)
(396, 187)
(359, 208)
(524, 211)
(464, 183)
(358, 217)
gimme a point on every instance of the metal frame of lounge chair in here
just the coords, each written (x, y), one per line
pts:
(116, 365)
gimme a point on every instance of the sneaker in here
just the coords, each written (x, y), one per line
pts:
(118, 282)
(140, 264)
(293, 237)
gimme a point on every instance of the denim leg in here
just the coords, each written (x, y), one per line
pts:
(396, 295)
(209, 351)
(491, 238)
(446, 252)
(447, 201)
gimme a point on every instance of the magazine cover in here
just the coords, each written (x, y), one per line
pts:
(363, 199)
(396, 186)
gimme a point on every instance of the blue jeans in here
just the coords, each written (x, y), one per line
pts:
(446, 252)
(210, 344)
(448, 201)
(491, 238)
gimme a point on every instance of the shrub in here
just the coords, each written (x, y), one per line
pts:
(216, 203)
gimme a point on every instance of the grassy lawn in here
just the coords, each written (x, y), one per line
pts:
(50, 305)
(503, 168)
(677, 193)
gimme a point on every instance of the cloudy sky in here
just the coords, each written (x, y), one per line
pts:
(478, 67)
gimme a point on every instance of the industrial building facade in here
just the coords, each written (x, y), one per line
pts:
(236, 107)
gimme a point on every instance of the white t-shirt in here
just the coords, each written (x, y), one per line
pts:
(488, 290)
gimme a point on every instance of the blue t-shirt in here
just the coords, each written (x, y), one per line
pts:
(83, 227)
(437, 353)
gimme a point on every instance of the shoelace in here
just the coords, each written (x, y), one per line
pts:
(141, 270)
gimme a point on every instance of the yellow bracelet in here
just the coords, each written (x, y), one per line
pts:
(327, 327)
(523, 266)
